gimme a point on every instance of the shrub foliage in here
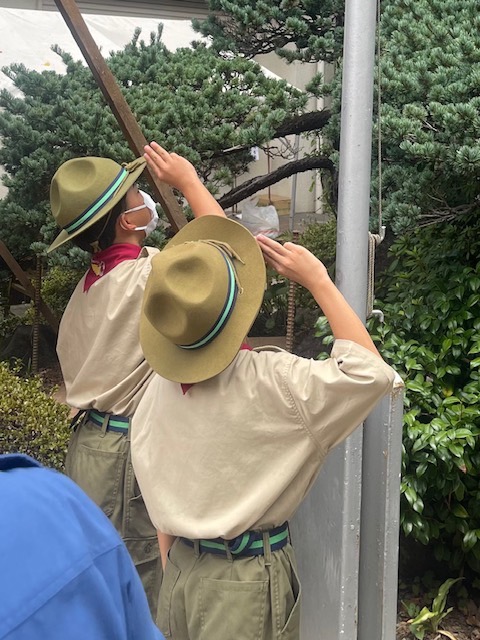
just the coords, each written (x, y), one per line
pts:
(58, 286)
(431, 335)
(31, 421)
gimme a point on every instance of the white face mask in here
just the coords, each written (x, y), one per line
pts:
(151, 206)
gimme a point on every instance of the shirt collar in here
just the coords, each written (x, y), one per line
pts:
(10, 461)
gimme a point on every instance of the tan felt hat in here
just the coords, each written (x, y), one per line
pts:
(201, 298)
(83, 190)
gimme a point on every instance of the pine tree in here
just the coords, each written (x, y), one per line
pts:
(430, 88)
(303, 31)
(213, 104)
(313, 28)
(58, 118)
(191, 101)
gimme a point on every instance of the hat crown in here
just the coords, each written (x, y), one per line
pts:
(78, 183)
(203, 293)
(188, 291)
(83, 190)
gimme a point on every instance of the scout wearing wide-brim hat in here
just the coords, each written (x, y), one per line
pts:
(224, 466)
(201, 298)
(84, 190)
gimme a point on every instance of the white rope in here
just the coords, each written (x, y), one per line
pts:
(379, 119)
(375, 239)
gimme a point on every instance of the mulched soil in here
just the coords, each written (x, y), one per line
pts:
(52, 377)
(462, 623)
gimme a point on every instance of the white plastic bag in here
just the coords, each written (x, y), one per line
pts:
(262, 220)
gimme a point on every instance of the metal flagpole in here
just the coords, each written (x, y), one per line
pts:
(356, 152)
(326, 531)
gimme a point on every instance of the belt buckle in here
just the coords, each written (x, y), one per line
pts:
(240, 543)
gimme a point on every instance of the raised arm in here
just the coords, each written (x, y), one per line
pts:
(300, 265)
(178, 172)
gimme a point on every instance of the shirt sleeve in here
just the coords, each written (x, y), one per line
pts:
(333, 396)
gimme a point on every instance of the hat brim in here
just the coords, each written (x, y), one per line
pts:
(191, 366)
(138, 167)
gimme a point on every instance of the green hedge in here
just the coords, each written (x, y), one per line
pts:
(57, 287)
(31, 421)
(431, 335)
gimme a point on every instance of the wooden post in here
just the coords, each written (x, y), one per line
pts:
(292, 287)
(122, 112)
(24, 280)
(36, 317)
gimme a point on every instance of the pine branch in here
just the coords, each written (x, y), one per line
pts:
(254, 185)
(447, 214)
(306, 122)
(311, 121)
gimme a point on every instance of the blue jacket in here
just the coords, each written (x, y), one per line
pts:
(64, 570)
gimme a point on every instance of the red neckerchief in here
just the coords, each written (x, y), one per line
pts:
(186, 387)
(104, 261)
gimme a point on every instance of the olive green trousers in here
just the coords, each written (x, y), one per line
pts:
(99, 462)
(211, 597)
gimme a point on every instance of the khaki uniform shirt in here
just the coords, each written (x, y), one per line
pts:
(98, 342)
(241, 450)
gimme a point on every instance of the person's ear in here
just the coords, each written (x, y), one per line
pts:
(123, 221)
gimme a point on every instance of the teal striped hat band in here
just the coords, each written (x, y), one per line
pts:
(230, 298)
(103, 199)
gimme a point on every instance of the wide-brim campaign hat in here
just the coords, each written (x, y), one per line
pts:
(83, 190)
(202, 295)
